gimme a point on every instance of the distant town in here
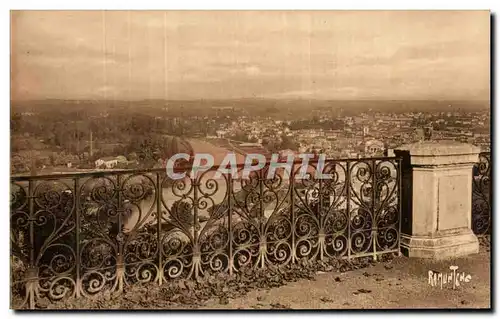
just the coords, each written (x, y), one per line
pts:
(67, 136)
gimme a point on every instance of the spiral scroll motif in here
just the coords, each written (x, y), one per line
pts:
(335, 220)
(247, 220)
(19, 222)
(387, 210)
(99, 226)
(54, 231)
(362, 206)
(308, 214)
(139, 224)
(213, 221)
(178, 251)
(481, 195)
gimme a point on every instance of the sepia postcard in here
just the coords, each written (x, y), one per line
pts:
(252, 160)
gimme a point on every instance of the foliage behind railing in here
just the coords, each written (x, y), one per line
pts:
(481, 195)
(81, 234)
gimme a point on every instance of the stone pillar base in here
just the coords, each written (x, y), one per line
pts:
(442, 245)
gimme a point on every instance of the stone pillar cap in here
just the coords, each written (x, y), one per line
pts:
(437, 153)
(439, 148)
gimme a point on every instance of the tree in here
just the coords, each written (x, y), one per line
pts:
(239, 136)
(288, 143)
(132, 156)
(16, 122)
(52, 159)
(33, 165)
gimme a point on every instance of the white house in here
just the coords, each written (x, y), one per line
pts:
(108, 162)
(374, 147)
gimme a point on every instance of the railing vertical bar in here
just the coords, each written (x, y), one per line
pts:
(490, 182)
(77, 235)
(31, 198)
(400, 196)
(119, 264)
(261, 216)
(119, 201)
(374, 208)
(473, 189)
(195, 212)
(348, 207)
(229, 221)
(320, 215)
(196, 249)
(292, 213)
(32, 271)
(159, 194)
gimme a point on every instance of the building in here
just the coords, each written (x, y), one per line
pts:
(107, 162)
(374, 147)
(110, 162)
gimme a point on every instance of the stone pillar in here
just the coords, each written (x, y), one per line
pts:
(437, 197)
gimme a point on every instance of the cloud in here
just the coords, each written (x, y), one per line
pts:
(239, 69)
(107, 89)
(238, 54)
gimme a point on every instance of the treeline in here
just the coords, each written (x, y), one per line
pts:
(56, 137)
(66, 130)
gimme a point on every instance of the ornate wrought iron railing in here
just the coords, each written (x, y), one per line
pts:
(481, 195)
(81, 234)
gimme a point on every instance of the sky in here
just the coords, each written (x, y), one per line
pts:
(131, 55)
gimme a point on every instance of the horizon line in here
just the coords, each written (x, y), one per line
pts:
(250, 98)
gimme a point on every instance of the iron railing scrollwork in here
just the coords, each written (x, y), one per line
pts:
(481, 195)
(83, 234)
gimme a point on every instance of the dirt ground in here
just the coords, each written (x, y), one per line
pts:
(400, 283)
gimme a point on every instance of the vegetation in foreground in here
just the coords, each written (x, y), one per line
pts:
(182, 293)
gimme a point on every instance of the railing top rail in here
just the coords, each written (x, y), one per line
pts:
(180, 168)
